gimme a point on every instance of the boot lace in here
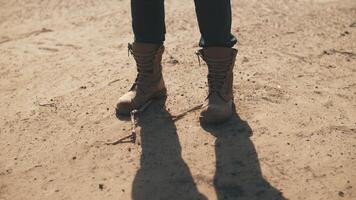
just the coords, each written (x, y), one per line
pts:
(144, 63)
(217, 72)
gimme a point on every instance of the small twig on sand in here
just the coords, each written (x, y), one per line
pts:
(26, 35)
(134, 136)
(47, 104)
(52, 105)
(179, 116)
(134, 123)
(128, 139)
(334, 51)
(111, 82)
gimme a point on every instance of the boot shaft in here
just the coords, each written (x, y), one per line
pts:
(148, 62)
(147, 56)
(220, 61)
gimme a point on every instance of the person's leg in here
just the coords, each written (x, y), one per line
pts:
(214, 18)
(147, 49)
(148, 21)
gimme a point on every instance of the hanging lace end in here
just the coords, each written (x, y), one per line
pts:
(198, 53)
(129, 49)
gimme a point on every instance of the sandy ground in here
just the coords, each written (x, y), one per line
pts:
(64, 64)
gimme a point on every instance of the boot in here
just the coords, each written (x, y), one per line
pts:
(149, 83)
(218, 106)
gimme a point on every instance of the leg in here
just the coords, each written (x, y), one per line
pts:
(214, 18)
(148, 21)
(149, 29)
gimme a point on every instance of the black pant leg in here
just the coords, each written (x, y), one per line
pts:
(214, 18)
(148, 21)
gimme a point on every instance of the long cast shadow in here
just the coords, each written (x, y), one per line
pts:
(238, 174)
(163, 174)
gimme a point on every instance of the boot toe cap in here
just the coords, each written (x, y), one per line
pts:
(124, 107)
(214, 114)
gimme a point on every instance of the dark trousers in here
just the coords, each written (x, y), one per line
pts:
(214, 19)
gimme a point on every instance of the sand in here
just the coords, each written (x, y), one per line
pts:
(64, 64)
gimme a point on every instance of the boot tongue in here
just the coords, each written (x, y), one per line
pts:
(145, 56)
(218, 60)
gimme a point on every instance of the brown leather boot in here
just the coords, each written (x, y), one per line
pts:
(149, 83)
(218, 105)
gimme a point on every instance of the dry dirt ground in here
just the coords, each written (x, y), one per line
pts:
(64, 64)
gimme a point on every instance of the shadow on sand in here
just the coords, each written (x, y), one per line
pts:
(165, 176)
(238, 174)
